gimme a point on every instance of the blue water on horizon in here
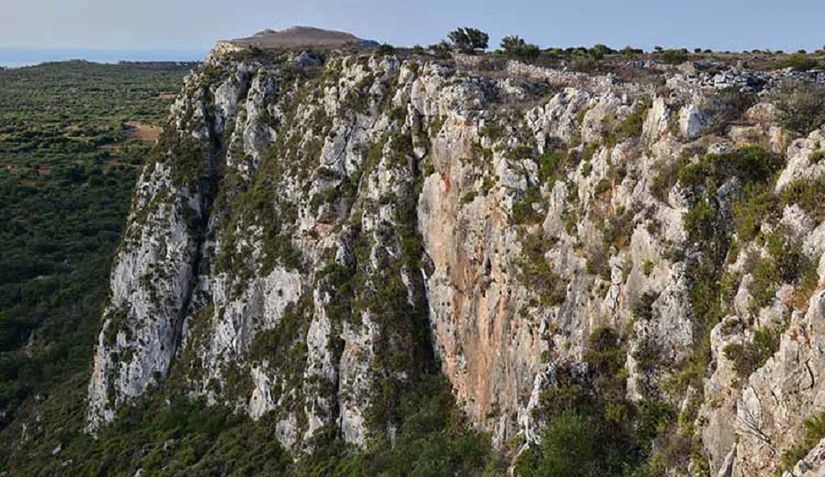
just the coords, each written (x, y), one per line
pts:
(18, 57)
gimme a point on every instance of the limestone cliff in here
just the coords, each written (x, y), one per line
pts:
(317, 229)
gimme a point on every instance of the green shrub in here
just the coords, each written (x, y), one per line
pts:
(602, 186)
(797, 61)
(700, 221)
(599, 51)
(584, 64)
(492, 130)
(674, 56)
(791, 261)
(587, 168)
(631, 52)
(441, 49)
(571, 446)
(750, 213)
(469, 39)
(749, 357)
(667, 176)
(385, 49)
(649, 357)
(515, 46)
(592, 429)
(808, 194)
(524, 211)
(432, 439)
(726, 106)
(765, 279)
(552, 165)
(618, 228)
(630, 126)
(750, 164)
(801, 106)
(642, 308)
(814, 431)
(537, 273)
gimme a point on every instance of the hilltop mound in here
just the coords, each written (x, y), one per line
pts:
(300, 37)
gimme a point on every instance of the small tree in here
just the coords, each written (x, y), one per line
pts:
(469, 39)
(441, 49)
(599, 51)
(674, 56)
(516, 46)
(385, 49)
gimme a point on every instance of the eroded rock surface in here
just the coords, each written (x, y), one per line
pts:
(314, 230)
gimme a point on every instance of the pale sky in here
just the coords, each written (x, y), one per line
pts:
(197, 24)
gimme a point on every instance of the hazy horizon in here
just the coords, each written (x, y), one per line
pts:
(21, 57)
(155, 25)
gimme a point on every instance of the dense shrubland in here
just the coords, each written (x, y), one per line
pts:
(68, 170)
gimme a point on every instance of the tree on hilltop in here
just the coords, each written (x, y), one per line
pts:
(468, 39)
(516, 46)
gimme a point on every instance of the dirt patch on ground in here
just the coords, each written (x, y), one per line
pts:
(141, 131)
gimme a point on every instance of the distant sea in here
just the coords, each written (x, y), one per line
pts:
(17, 57)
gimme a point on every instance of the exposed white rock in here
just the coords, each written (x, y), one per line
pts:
(691, 121)
(323, 217)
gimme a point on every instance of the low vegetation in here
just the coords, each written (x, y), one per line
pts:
(591, 428)
(69, 166)
(813, 432)
(748, 357)
(798, 62)
(726, 107)
(808, 194)
(801, 106)
(516, 46)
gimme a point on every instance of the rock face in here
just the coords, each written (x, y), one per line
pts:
(315, 231)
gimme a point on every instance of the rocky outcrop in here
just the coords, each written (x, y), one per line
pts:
(317, 232)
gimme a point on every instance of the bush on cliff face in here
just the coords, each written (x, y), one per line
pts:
(808, 194)
(726, 106)
(749, 214)
(813, 433)
(432, 439)
(801, 107)
(749, 164)
(710, 231)
(748, 357)
(592, 429)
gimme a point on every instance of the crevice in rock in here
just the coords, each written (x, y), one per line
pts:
(199, 227)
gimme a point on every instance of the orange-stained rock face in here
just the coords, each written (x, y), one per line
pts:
(309, 211)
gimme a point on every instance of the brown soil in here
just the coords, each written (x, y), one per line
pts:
(141, 131)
